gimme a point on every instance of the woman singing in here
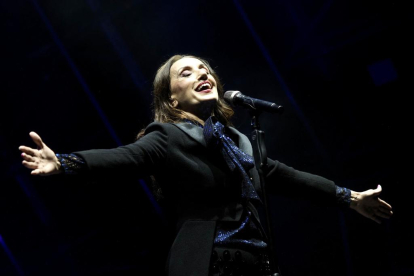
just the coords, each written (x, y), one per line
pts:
(204, 167)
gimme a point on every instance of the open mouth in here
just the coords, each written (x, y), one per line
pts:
(204, 87)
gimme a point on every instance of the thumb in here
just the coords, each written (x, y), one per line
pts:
(378, 190)
(36, 138)
(36, 172)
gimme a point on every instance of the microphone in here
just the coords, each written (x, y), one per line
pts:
(237, 98)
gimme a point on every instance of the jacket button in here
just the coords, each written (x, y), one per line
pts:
(238, 256)
(215, 268)
(226, 255)
(227, 270)
(214, 256)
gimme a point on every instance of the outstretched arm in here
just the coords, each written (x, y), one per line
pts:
(368, 204)
(42, 161)
(142, 157)
(288, 181)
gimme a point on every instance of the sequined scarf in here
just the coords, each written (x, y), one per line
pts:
(235, 158)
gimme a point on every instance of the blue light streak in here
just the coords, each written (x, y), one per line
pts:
(11, 257)
(279, 77)
(77, 73)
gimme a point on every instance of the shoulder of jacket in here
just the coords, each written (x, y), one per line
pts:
(163, 127)
(234, 130)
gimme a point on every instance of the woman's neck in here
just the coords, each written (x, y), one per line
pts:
(202, 112)
(193, 117)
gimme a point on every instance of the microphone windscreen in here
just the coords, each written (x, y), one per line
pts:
(229, 96)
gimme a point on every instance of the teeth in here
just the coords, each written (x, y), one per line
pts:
(204, 86)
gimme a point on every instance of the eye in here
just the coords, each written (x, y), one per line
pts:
(185, 73)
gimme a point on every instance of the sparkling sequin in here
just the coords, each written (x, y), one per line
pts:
(71, 163)
(235, 158)
(245, 235)
(343, 196)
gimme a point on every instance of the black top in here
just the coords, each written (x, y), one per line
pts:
(199, 185)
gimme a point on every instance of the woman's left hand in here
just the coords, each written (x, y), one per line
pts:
(368, 204)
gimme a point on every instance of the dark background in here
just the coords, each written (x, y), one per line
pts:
(80, 73)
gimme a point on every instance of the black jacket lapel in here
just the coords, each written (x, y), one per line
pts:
(196, 133)
(193, 131)
(243, 142)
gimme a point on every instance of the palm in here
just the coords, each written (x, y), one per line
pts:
(371, 206)
(42, 160)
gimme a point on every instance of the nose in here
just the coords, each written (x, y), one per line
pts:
(202, 75)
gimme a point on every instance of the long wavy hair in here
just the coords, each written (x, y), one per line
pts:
(165, 112)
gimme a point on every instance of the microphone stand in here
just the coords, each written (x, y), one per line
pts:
(260, 158)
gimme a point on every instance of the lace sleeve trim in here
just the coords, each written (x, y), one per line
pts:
(343, 196)
(71, 163)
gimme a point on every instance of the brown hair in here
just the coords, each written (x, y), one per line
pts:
(164, 112)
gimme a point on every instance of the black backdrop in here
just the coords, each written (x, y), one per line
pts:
(79, 73)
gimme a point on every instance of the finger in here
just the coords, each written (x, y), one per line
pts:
(30, 165)
(28, 157)
(386, 214)
(36, 138)
(28, 150)
(383, 203)
(385, 209)
(383, 214)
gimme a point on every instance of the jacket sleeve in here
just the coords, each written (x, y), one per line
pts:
(143, 157)
(285, 180)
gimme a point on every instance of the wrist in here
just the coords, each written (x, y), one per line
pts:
(59, 168)
(355, 196)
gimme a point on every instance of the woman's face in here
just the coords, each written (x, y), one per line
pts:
(193, 88)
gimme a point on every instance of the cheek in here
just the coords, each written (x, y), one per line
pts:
(180, 89)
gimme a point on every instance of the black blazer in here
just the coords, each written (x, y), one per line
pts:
(199, 186)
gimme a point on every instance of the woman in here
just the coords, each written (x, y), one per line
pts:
(204, 168)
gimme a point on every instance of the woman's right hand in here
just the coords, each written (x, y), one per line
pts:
(42, 161)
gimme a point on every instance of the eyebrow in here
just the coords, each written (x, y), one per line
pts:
(188, 67)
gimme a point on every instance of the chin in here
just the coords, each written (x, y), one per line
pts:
(211, 99)
(208, 96)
